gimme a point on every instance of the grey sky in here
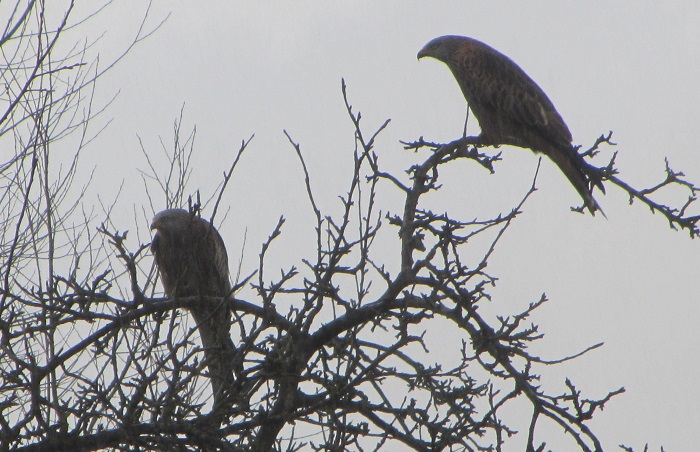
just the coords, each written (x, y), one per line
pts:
(628, 66)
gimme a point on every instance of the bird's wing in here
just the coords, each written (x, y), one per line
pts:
(494, 80)
(220, 259)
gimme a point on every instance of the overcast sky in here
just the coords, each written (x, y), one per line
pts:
(258, 67)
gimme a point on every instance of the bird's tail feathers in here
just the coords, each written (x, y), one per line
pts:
(577, 171)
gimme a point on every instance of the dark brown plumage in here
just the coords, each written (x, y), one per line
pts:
(192, 261)
(510, 107)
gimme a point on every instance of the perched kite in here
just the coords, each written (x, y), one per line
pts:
(511, 108)
(192, 262)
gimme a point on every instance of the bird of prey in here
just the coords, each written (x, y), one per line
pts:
(192, 262)
(511, 108)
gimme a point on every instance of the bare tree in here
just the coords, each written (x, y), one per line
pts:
(332, 354)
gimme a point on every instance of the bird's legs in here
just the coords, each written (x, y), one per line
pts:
(466, 120)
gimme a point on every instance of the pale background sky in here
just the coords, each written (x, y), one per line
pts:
(260, 67)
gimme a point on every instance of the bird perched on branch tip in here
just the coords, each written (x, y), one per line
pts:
(512, 109)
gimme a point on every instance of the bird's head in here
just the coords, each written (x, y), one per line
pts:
(441, 48)
(171, 221)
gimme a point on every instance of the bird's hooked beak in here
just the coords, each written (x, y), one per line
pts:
(157, 221)
(425, 51)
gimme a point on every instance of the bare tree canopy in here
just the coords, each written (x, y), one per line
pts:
(390, 335)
